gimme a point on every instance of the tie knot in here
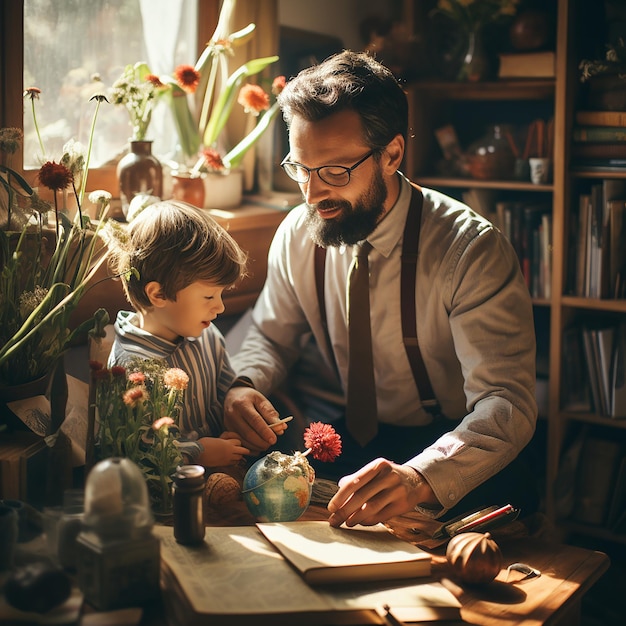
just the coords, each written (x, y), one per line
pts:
(362, 250)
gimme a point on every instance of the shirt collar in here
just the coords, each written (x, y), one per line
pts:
(390, 230)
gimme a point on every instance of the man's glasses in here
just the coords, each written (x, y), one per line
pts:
(335, 175)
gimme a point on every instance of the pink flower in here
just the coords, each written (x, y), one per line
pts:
(323, 441)
(162, 422)
(137, 378)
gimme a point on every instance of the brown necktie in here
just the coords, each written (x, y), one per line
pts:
(361, 413)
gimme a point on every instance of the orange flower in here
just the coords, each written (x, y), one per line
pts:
(253, 99)
(155, 80)
(175, 378)
(187, 77)
(134, 396)
(55, 176)
(32, 92)
(278, 84)
(213, 159)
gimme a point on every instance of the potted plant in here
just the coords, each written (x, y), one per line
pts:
(45, 271)
(606, 78)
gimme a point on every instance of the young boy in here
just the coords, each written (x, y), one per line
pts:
(181, 262)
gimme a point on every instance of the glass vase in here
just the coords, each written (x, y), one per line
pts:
(139, 171)
(475, 63)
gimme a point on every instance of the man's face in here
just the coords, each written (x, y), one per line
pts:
(338, 215)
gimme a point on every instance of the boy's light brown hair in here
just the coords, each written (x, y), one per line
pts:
(175, 244)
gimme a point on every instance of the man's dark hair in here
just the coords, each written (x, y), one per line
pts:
(349, 81)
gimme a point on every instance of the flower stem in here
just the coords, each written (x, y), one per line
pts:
(43, 150)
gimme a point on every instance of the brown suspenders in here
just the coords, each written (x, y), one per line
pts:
(408, 274)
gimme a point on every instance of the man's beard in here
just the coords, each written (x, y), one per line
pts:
(356, 221)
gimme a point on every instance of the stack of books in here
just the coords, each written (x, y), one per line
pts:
(599, 140)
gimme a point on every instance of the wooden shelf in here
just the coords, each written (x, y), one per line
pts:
(465, 106)
(472, 183)
(528, 89)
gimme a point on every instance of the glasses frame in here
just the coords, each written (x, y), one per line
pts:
(309, 170)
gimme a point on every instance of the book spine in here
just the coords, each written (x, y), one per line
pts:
(601, 118)
(599, 133)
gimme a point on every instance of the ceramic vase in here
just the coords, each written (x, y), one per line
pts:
(223, 190)
(139, 171)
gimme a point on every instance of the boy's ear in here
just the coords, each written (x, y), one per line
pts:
(155, 294)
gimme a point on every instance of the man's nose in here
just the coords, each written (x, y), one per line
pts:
(315, 189)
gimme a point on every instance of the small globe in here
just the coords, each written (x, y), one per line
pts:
(277, 488)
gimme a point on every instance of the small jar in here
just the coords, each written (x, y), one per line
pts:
(187, 493)
(491, 157)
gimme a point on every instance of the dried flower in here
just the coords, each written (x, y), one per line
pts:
(472, 14)
(322, 441)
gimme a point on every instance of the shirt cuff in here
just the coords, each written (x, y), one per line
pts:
(191, 449)
(242, 381)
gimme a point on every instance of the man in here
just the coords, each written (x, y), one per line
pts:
(347, 120)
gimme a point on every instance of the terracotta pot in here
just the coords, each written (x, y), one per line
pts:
(188, 189)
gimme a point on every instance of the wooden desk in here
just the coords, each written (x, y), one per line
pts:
(554, 598)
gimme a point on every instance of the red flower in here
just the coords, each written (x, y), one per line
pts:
(117, 371)
(253, 99)
(213, 159)
(101, 374)
(187, 77)
(278, 85)
(323, 441)
(95, 365)
(55, 176)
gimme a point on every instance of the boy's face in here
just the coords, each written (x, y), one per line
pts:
(195, 307)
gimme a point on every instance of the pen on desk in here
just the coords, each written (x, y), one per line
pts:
(282, 421)
(503, 510)
(389, 617)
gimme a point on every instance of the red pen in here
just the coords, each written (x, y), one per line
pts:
(488, 517)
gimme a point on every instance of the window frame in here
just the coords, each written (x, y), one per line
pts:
(12, 87)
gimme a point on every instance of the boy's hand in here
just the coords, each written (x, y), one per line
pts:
(221, 451)
(248, 412)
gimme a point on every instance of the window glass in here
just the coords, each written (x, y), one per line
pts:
(67, 42)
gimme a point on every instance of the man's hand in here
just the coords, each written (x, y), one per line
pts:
(380, 490)
(248, 413)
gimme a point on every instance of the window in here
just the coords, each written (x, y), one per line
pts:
(46, 38)
(99, 38)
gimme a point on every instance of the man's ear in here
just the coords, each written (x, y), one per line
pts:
(392, 156)
(155, 294)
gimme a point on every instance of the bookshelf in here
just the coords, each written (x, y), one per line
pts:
(468, 108)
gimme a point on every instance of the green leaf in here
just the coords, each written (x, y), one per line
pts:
(224, 105)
